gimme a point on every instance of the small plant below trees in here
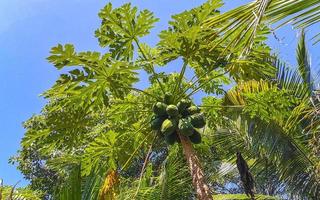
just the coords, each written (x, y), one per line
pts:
(16, 193)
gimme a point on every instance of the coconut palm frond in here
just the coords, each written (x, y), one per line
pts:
(304, 61)
(92, 183)
(261, 140)
(275, 132)
(235, 95)
(291, 80)
(71, 189)
(243, 22)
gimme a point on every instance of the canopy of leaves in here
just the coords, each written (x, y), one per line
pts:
(93, 138)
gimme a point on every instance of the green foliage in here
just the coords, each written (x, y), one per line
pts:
(291, 80)
(97, 77)
(241, 196)
(185, 35)
(211, 107)
(263, 132)
(122, 26)
(102, 149)
(96, 121)
(243, 23)
(172, 182)
(71, 190)
(304, 61)
(14, 193)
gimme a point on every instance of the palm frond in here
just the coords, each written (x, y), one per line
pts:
(303, 60)
(266, 128)
(173, 182)
(109, 189)
(14, 193)
(241, 24)
(241, 197)
(92, 183)
(272, 143)
(235, 97)
(291, 80)
(71, 189)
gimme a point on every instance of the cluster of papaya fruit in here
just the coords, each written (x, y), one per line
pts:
(184, 118)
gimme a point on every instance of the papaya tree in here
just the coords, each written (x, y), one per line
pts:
(100, 136)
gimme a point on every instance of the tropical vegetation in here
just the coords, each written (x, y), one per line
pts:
(100, 136)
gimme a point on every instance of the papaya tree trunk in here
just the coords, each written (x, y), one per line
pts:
(198, 179)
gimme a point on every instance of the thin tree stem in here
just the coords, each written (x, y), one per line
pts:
(201, 85)
(134, 152)
(144, 166)
(142, 91)
(219, 106)
(196, 81)
(129, 102)
(183, 69)
(151, 68)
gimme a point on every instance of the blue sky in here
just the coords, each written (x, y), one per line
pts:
(28, 29)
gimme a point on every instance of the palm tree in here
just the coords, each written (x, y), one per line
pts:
(280, 136)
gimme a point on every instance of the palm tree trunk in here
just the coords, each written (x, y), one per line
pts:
(198, 179)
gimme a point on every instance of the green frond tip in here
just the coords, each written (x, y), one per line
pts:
(303, 60)
(242, 197)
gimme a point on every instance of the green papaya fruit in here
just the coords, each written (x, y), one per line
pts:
(197, 120)
(184, 113)
(172, 111)
(168, 126)
(185, 127)
(183, 104)
(172, 138)
(156, 122)
(168, 98)
(193, 110)
(160, 109)
(195, 138)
